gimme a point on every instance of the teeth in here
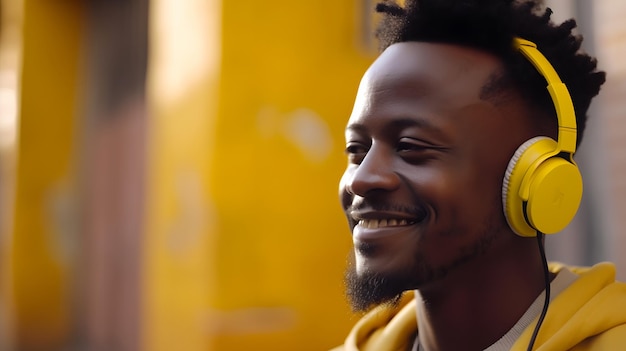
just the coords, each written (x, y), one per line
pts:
(382, 223)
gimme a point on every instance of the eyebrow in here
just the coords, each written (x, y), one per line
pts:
(396, 124)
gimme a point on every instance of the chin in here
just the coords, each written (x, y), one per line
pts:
(372, 281)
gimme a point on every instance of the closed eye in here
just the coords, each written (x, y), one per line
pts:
(356, 152)
(415, 151)
(411, 146)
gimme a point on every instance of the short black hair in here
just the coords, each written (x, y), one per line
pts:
(491, 25)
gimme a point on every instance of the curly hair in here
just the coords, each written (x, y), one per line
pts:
(491, 25)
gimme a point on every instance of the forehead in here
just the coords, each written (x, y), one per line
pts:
(432, 62)
(423, 72)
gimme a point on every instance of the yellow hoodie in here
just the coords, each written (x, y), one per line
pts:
(588, 315)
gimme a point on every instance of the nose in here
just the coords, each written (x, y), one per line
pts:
(374, 173)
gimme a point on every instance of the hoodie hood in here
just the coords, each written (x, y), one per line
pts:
(590, 313)
(577, 318)
(386, 327)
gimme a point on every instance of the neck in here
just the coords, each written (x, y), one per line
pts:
(475, 305)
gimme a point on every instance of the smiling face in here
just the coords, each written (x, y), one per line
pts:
(426, 158)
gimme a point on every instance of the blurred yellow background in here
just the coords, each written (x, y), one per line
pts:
(169, 169)
(171, 183)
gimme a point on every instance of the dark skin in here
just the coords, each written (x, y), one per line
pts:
(422, 191)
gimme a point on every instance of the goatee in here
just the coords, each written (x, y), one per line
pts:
(368, 289)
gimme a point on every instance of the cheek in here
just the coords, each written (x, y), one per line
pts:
(344, 197)
(462, 199)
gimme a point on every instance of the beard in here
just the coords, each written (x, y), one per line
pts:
(366, 289)
(370, 288)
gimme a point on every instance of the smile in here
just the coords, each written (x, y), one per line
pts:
(383, 223)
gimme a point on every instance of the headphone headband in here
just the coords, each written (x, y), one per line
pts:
(561, 98)
(542, 185)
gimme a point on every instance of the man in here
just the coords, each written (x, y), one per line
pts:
(446, 210)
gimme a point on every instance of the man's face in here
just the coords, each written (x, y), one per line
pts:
(426, 159)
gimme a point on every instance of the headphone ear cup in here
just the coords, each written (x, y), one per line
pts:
(556, 190)
(511, 201)
(540, 192)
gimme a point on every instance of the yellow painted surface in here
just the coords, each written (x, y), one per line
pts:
(40, 264)
(178, 243)
(246, 244)
(10, 53)
(289, 74)
(178, 247)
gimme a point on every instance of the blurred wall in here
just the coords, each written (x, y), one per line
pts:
(41, 265)
(246, 161)
(290, 71)
(180, 241)
(610, 143)
(595, 234)
(10, 57)
(112, 157)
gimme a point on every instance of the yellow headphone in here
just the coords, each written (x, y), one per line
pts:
(542, 185)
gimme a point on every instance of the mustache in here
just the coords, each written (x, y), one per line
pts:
(416, 210)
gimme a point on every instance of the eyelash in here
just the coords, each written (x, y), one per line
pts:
(353, 148)
(403, 145)
(356, 151)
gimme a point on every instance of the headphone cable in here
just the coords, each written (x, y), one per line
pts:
(546, 302)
